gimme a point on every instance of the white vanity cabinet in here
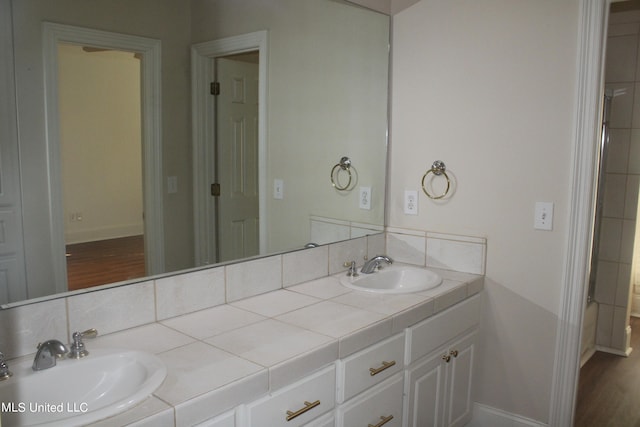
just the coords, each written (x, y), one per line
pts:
(379, 406)
(227, 419)
(438, 380)
(368, 367)
(294, 405)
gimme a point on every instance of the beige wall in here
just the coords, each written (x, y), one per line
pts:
(101, 147)
(488, 87)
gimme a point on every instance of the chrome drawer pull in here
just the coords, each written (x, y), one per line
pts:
(383, 422)
(307, 406)
(385, 365)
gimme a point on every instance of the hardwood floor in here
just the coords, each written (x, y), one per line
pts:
(609, 388)
(105, 261)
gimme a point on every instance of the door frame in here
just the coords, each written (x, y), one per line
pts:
(203, 109)
(592, 24)
(151, 137)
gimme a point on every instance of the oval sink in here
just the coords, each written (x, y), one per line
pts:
(394, 279)
(78, 392)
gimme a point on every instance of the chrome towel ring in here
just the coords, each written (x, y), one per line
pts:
(438, 168)
(343, 165)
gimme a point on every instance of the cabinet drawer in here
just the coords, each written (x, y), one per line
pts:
(380, 406)
(435, 331)
(225, 420)
(328, 420)
(368, 367)
(297, 404)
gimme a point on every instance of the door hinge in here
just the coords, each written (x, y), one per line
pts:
(215, 189)
(215, 88)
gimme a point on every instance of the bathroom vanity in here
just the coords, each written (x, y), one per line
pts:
(409, 365)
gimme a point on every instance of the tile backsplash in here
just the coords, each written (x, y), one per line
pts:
(119, 308)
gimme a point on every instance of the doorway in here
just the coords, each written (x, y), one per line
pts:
(147, 52)
(101, 164)
(608, 325)
(205, 59)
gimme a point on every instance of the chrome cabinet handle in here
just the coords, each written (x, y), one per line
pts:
(383, 422)
(307, 407)
(385, 365)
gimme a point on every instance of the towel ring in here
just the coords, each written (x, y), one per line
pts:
(437, 168)
(343, 165)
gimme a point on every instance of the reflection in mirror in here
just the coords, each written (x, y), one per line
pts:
(322, 95)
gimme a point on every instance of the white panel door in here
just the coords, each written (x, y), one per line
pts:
(237, 158)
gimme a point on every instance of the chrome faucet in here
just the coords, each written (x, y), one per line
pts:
(47, 354)
(78, 350)
(4, 368)
(373, 264)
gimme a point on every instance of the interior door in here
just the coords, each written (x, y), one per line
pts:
(237, 157)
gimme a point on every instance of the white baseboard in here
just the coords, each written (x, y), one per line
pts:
(486, 416)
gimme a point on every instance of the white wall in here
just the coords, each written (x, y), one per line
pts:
(488, 87)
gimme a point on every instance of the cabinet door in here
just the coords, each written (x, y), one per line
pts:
(459, 380)
(425, 391)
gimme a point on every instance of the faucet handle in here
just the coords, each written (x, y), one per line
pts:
(78, 349)
(353, 271)
(4, 368)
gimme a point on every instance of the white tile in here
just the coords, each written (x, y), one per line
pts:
(275, 303)
(152, 338)
(219, 400)
(330, 318)
(627, 241)
(610, 236)
(365, 337)
(407, 248)
(350, 250)
(622, 289)
(618, 154)
(113, 309)
(621, 105)
(614, 195)
(298, 367)
(605, 325)
(302, 266)
(413, 315)
(619, 336)
(269, 342)
(325, 288)
(381, 303)
(457, 255)
(634, 151)
(213, 321)
(185, 293)
(620, 64)
(255, 277)
(198, 368)
(152, 412)
(606, 282)
(25, 326)
(631, 198)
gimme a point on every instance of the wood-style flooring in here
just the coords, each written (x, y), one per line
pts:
(105, 261)
(609, 388)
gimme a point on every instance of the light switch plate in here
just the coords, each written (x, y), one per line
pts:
(278, 189)
(543, 216)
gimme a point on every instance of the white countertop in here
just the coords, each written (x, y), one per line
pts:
(221, 357)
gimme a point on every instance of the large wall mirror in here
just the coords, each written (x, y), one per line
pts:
(161, 135)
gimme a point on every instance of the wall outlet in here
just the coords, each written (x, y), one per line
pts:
(543, 219)
(365, 198)
(75, 216)
(278, 189)
(411, 202)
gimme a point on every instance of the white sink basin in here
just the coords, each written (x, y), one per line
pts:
(78, 392)
(394, 279)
